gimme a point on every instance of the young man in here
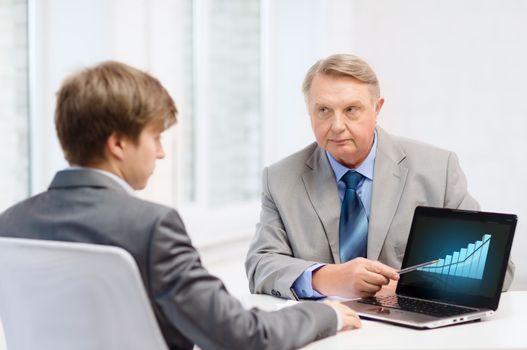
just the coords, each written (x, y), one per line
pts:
(109, 121)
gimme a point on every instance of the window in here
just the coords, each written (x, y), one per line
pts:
(230, 99)
(221, 151)
(14, 153)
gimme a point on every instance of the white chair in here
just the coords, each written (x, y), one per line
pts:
(60, 295)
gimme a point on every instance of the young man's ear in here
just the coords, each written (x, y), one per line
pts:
(115, 145)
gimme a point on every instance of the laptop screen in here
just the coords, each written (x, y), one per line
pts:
(472, 251)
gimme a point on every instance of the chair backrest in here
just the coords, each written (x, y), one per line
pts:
(61, 295)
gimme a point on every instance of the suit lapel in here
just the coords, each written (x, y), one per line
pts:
(389, 178)
(321, 188)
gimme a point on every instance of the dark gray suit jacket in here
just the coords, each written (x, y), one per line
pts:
(191, 306)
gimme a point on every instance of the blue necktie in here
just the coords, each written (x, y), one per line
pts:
(353, 228)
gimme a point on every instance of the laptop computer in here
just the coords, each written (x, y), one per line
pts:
(471, 251)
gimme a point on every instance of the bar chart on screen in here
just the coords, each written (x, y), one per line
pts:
(467, 262)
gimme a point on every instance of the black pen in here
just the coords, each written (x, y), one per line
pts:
(415, 267)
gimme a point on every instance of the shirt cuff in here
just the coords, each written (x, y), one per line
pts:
(303, 284)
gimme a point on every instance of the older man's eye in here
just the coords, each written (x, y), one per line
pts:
(323, 109)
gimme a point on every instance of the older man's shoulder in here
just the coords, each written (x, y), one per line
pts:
(412, 146)
(295, 161)
(417, 150)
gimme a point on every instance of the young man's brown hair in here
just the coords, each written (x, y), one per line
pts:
(110, 97)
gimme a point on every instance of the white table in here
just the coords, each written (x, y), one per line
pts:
(507, 329)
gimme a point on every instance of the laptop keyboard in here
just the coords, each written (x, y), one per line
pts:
(416, 305)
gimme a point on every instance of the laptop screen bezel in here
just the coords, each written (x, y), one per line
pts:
(467, 300)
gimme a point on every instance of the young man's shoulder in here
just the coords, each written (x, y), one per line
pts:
(135, 209)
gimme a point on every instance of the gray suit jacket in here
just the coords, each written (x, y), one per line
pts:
(299, 220)
(191, 306)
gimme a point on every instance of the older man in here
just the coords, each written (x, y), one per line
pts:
(109, 120)
(336, 215)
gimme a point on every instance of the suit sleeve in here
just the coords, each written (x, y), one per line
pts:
(457, 196)
(270, 265)
(199, 306)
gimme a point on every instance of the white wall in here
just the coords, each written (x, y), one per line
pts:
(453, 74)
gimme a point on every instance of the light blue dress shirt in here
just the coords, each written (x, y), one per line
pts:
(303, 284)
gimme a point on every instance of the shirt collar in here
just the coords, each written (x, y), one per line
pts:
(114, 177)
(365, 168)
